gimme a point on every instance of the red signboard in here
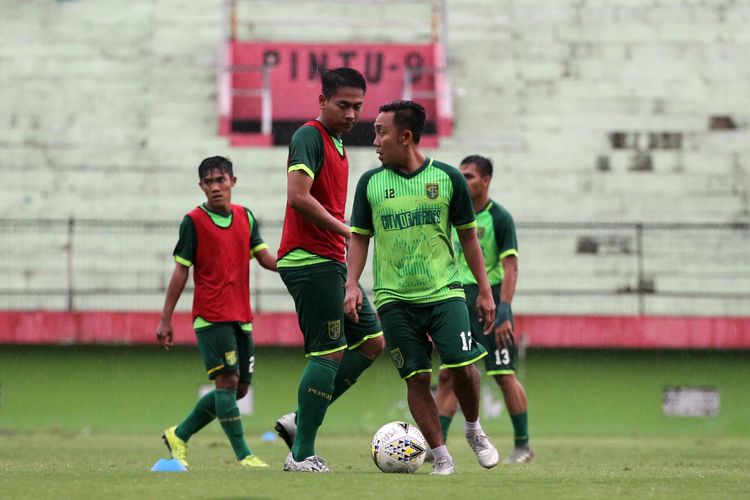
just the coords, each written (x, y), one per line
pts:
(294, 81)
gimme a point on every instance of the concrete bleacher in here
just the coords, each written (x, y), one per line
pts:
(107, 107)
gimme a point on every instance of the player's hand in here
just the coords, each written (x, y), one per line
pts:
(504, 334)
(164, 334)
(352, 302)
(486, 309)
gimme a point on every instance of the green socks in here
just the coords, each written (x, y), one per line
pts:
(313, 397)
(229, 417)
(202, 415)
(520, 429)
(352, 366)
(445, 424)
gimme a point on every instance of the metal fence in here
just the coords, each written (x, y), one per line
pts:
(565, 268)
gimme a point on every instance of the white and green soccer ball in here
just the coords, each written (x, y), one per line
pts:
(398, 447)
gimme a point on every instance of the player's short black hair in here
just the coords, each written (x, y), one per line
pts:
(483, 164)
(215, 163)
(332, 80)
(407, 115)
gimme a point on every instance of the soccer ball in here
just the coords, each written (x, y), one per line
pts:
(398, 447)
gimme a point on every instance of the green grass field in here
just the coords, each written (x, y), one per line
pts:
(84, 422)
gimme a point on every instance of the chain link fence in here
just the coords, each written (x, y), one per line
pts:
(565, 268)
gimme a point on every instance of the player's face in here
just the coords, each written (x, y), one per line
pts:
(341, 112)
(217, 185)
(388, 140)
(478, 184)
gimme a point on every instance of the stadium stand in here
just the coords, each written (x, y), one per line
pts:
(630, 111)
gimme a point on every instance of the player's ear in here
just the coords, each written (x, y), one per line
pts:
(406, 136)
(322, 101)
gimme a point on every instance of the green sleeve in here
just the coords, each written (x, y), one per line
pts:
(306, 151)
(256, 241)
(505, 233)
(187, 245)
(461, 211)
(361, 221)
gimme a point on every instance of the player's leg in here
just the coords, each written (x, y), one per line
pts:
(516, 403)
(318, 296)
(223, 343)
(459, 351)
(204, 412)
(410, 350)
(501, 365)
(246, 355)
(446, 399)
(366, 343)
(447, 403)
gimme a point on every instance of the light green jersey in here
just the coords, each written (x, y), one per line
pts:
(497, 238)
(410, 218)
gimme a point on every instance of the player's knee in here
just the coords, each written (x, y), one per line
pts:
(227, 381)
(242, 390)
(445, 377)
(373, 347)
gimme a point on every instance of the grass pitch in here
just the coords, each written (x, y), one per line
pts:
(85, 423)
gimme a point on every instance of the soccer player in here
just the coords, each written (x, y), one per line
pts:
(409, 206)
(312, 265)
(217, 239)
(497, 237)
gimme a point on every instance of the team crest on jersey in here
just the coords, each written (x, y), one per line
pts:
(231, 358)
(480, 232)
(433, 190)
(334, 329)
(398, 359)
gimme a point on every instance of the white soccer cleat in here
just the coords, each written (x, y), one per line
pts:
(520, 455)
(310, 464)
(443, 466)
(483, 449)
(286, 428)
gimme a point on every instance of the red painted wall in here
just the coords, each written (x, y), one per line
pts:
(101, 327)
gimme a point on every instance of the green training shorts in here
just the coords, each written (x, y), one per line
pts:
(499, 361)
(408, 329)
(226, 348)
(318, 293)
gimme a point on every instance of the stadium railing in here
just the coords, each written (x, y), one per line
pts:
(580, 285)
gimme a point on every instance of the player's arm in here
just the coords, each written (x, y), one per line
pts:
(266, 259)
(473, 252)
(258, 247)
(355, 263)
(362, 230)
(299, 184)
(504, 328)
(164, 332)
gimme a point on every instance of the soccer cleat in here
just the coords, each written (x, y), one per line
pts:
(483, 449)
(310, 464)
(252, 461)
(286, 428)
(177, 447)
(520, 455)
(443, 466)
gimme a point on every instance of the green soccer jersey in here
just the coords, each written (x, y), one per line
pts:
(411, 218)
(497, 237)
